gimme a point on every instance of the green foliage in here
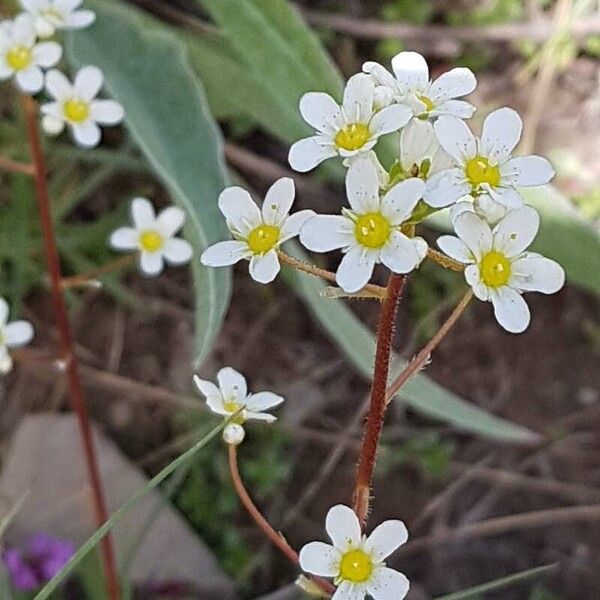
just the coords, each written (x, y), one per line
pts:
(539, 592)
(487, 13)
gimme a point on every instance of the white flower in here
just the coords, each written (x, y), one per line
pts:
(76, 106)
(483, 206)
(232, 396)
(22, 57)
(12, 335)
(370, 232)
(411, 85)
(347, 130)
(485, 165)
(153, 236)
(258, 233)
(499, 269)
(356, 562)
(50, 15)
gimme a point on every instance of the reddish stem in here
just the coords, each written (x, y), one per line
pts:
(377, 409)
(12, 166)
(66, 342)
(276, 539)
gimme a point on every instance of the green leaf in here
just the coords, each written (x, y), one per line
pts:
(148, 72)
(420, 393)
(497, 584)
(94, 540)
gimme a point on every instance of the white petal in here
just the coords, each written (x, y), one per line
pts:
(381, 76)
(387, 584)
(306, 154)
(18, 333)
(454, 108)
(86, 134)
(347, 590)
(323, 233)
(6, 362)
(215, 403)
(293, 224)
(66, 6)
(506, 196)
(391, 118)
(142, 213)
(238, 208)
(23, 30)
(58, 86)
(490, 210)
(106, 112)
(232, 384)
(452, 84)
(267, 418)
(151, 263)
(44, 28)
(320, 111)
(358, 98)
(6, 71)
(397, 205)
(459, 208)
(456, 138)
(224, 254)
(47, 54)
(356, 269)
(320, 559)
(88, 83)
(170, 221)
(510, 309)
(473, 278)
(278, 201)
(124, 238)
(362, 186)
(455, 248)
(417, 142)
(474, 232)
(411, 71)
(52, 126)
(445, 188)
(386, 539)
(80, 19)
(4, 310)
(501, 133)
(265, 267)
(177, 251)
(263, 401)
(402, 254)
(31, 80)
(527, 170)
(207, 388)
(343, 527)
(535, 273)
(516, 231)
(33, 6)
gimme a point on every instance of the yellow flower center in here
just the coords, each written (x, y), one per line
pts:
(231, 406)
(76, 110)
(151, 240)
(19, 57)
(494, 269)
(263, 238)
(427, 102)
(356, 566)
(352, 137)
(480, 171)
(372, 230)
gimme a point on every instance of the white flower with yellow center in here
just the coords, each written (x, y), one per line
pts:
(258, 232)
(370, 231)
(153, 237)
(357, 562)
(50, 15)
(346, 130)
(12, 335)
(22, 58)
(76, 105)
(498, 267)
(485, 165)
(410, 85)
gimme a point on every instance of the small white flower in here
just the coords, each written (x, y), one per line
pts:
(410, 85)
(232, 396)
(76, 106)
(499, 268)
(12, 335)
(357, 562)
(485, 165)
(258, 232)
(22, 58)
(483, 206)
(347, 130)
(154, 237)
(369, 232)
(233, 434)
(50, 15)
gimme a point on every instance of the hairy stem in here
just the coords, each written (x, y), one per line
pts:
(84, 279)
(13, 166)
(445, 261)
(66, 342)
(377, 409)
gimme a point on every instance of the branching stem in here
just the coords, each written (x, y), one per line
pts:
(445, 261)
(13, 166)
(89, 277)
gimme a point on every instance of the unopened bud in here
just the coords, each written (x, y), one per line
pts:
(234, 434)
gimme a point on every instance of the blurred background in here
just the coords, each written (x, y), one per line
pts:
(482, 497)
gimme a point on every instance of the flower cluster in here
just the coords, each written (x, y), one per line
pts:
(28, 57)
(440, 164)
